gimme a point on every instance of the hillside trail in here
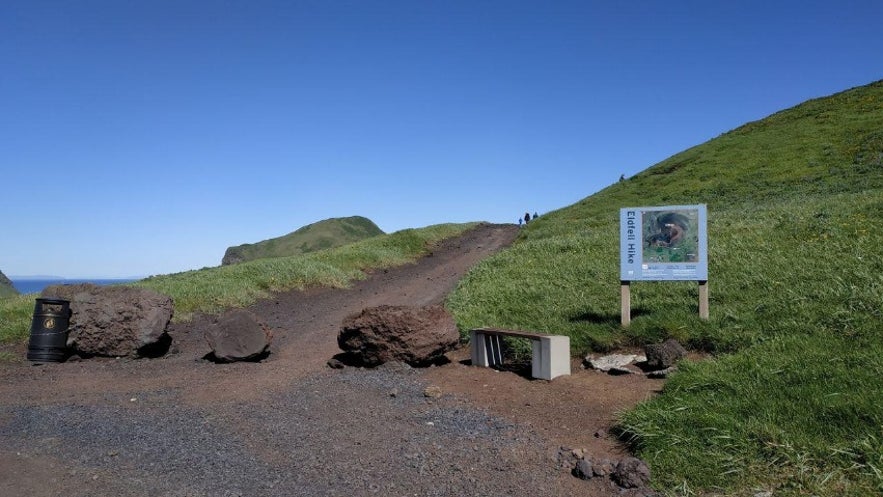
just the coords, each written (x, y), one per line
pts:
(574, 411)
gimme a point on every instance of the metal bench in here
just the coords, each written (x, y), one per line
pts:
(550, 356)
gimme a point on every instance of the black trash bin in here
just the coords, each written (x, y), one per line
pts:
(48, 341)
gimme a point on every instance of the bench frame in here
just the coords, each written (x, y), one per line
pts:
(550, 356)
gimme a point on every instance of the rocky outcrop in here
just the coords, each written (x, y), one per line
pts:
(413, 335)
(233, 255)
(115, 321)
(238, 335)
(6, 287)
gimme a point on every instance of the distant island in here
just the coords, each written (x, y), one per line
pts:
(31, 284)
(15, 277)
(321, 235)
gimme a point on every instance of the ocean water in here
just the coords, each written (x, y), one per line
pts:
(37, 286)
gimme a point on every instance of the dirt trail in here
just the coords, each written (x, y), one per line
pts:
(95, 425)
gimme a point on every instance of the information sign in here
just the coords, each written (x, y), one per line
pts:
(667, 243)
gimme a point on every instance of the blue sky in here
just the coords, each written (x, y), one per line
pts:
(145, 137)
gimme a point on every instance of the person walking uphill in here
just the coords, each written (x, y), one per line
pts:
(527, 217)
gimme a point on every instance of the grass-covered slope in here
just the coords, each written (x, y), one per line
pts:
(321, 235)
(792, 398)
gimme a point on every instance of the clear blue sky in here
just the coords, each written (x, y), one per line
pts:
(146, 136)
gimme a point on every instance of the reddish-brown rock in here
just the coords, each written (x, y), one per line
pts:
(115, 321)
(414, 335)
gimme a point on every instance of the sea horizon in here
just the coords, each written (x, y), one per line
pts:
(26, 285)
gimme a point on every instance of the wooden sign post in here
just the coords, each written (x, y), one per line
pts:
(703, 300)
(625, 296)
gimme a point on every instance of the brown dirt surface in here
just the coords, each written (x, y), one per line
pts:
(180, 425)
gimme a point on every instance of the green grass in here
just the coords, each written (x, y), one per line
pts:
(212, 290)
(792, 399)
(799, 414)
(15, 318)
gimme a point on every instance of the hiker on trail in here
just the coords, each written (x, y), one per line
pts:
(520, 220)
(535, 215)
(527, 217)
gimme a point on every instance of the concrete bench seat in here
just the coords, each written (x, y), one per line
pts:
(550, 355)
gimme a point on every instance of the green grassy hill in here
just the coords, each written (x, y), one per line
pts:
(317, 236)
(791, 399)
(6, 288)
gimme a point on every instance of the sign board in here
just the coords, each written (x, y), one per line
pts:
(667, 243)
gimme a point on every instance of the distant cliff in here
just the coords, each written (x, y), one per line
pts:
(6, 288)
(317, 236)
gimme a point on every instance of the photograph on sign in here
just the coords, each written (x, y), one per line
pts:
(670, 236)
(663, 243)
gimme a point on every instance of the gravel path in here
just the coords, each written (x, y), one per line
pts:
(382, 436)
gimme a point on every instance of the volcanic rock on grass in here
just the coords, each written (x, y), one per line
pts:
(115, 321)
(664, 355)
(631, 472)
(238, 335)
(414, 335)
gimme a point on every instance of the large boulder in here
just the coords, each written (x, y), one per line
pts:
(115, 321)
(414, 335)
(238, 335)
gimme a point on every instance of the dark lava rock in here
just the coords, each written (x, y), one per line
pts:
(631, 472)
(664, 355)
(238, 335)
(583, 470)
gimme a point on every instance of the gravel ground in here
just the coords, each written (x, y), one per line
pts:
(290, 426)
(386, 437)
